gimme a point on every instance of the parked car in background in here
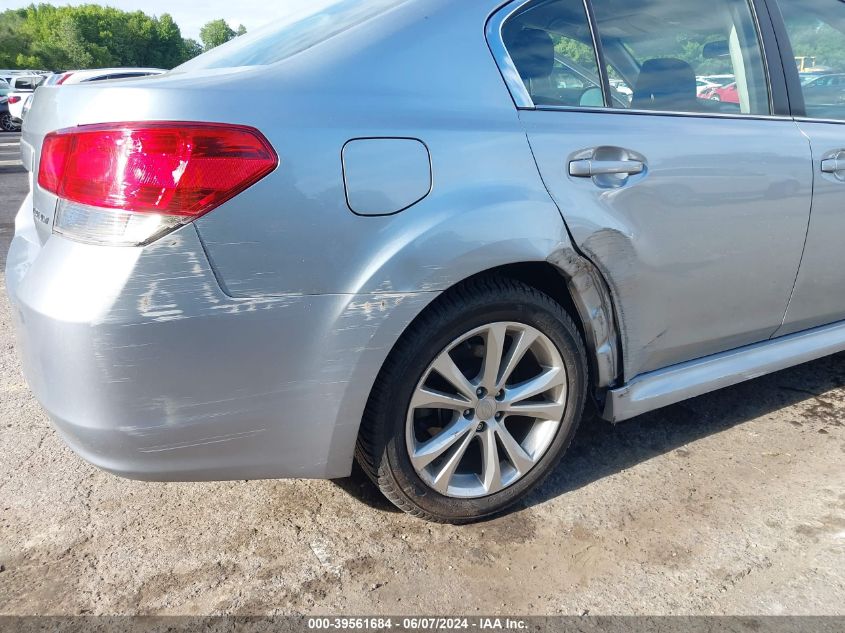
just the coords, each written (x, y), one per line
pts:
(80, 77)
(703, 85)
(6, 123)
(622, 88)
(825, 89)
(433, 277)
(100, 74)
(27, 104)
(719, 80)
(53, 78)
(726, 94)
(22, 86)
(810, 76)
(7, 75)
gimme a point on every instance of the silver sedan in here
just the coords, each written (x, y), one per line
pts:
(429, 237)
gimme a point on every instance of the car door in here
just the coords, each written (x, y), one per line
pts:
(695, 211)
(818, 27)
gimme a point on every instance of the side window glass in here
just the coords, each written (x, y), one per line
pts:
(817, 32)
(667, 54)
(551, 45)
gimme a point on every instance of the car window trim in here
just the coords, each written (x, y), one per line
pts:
(522, 99)
(787, 95)
(496, 43)
(598, 49)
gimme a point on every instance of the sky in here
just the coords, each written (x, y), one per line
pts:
(190, 15)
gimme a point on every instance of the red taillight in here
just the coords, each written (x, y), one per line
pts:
(175, 169)
(14, 99)
(63, 79)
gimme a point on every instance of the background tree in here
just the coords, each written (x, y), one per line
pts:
(12, 39)
(190, 48)
(215, 33)
(89, 36)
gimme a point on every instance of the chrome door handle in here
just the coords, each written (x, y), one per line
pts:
(833, 165)
(589, 168)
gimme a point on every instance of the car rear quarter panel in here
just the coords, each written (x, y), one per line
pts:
(431, 78)
(245, 345)
(150, 371)
(427, 74)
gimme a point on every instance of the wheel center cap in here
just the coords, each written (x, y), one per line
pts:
(486, 409)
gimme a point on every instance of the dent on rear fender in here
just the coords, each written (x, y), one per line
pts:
(593, 300)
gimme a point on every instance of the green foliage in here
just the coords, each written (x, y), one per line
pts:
(578, 52)
(90, 36)
(12, 40)
(190, 48)
(811, 38)
(215, 33)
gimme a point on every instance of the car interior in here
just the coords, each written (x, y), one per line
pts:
(641, 48)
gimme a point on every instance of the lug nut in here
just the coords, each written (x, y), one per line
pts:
(469, 413)
(500, 395)
(499, 416)
(480, 392)
(480, 428)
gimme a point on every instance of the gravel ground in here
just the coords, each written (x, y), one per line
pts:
(733, 503)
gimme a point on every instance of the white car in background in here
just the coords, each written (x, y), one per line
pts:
(100, 74)
(78, 77)
(22, 87)
(6, 124)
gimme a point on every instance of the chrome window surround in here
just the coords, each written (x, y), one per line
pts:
(522, 98)
(806, 119)
(496, 42)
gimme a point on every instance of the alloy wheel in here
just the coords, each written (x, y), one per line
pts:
(486, 410)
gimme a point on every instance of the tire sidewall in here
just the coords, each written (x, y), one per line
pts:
(552, 321)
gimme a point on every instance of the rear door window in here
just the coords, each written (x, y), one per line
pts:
(662, 48)
(816, 30)
(659, 54)
(24, 85)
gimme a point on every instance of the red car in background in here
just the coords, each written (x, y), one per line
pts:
(728, 94)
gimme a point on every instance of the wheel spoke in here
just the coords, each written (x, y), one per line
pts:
(494, 348)
(537, 410)
(550, 378)
(425, 398)
(502, 371)
(521, 460)
(521, 344)
(446, 367)
(444, 476)
(491, 474)
(427, 452)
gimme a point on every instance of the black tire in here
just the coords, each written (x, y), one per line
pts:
(6, 122)
(382, 449)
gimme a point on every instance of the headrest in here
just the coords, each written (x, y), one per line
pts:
(665, 84)
(532, 52)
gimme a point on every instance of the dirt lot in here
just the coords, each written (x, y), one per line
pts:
(733, 503)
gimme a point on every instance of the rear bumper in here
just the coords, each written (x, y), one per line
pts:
(148, 370)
